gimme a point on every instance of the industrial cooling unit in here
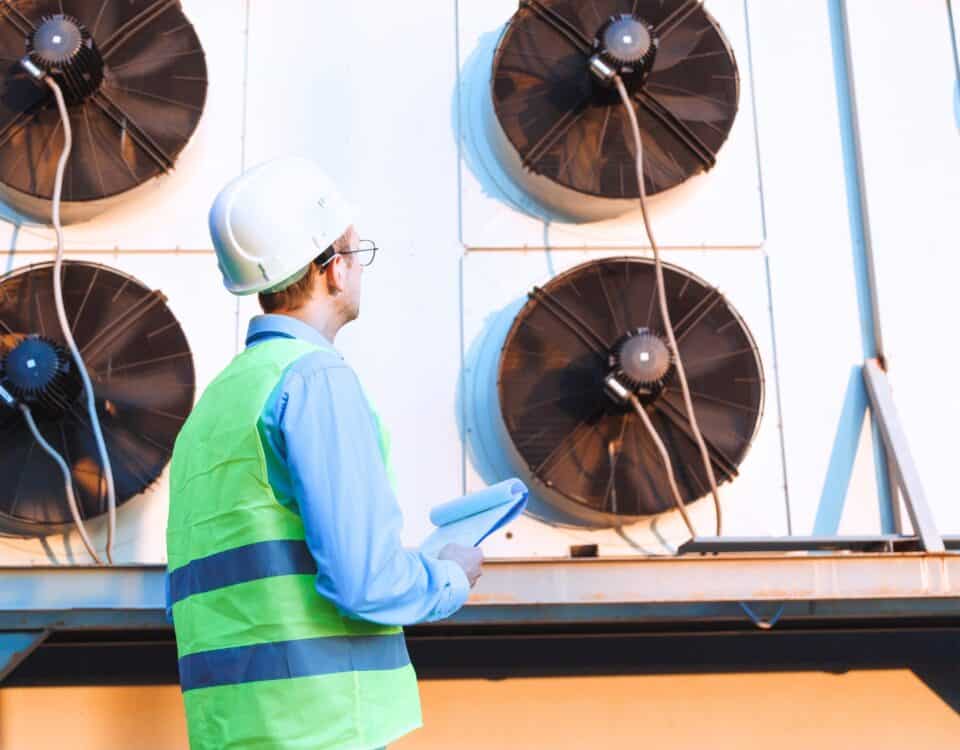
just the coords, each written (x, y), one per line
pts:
(127, 82)
(552, 373)
(143, 376)
(585, 450)
(558, 126)
(134, 76)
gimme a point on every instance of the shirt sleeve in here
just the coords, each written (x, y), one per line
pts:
(167, 604)
(351, 515)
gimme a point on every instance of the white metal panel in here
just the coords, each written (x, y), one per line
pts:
(815, 266)
(754, 503)
(370, 97)
(170, 212)
(719, 209)
(910, 134)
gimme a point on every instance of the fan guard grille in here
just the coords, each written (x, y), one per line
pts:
(567, 126)
(143, 377)
(590, 452)
(130, 127)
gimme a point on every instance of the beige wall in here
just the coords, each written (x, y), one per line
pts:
(876, 709)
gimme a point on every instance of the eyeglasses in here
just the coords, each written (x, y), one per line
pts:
(365, 253)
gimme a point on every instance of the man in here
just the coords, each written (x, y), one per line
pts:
(287, 578)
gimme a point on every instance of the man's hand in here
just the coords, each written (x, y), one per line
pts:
(468, 558)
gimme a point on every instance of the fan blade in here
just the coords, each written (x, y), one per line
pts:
(677, 46)
(694, 107)
(152, 391)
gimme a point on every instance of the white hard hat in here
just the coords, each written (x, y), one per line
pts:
(270, 223)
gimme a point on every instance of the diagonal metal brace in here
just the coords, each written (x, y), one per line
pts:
(17, 646)
(904, 469)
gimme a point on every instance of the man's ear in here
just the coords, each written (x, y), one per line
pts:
(335, 274)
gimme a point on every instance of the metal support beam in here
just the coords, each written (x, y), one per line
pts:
(17, 646)
(830, 585)
(895, 441)
(877, 543)
(80, 591)
(863, 242)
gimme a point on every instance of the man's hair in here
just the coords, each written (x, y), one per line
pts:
(299, 292)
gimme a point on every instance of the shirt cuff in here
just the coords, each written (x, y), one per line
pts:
(167, 604)
(456, 591)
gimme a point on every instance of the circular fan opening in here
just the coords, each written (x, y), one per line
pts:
(135, 79)
(142, 371)
(586, 454)
(558, 127)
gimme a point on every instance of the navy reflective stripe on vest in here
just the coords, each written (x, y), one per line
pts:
(280, 557)
(280, 660)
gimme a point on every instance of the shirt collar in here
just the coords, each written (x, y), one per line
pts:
(261, 326)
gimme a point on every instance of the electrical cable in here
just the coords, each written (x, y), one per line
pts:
(763, 624)
(668, 325)
(665, 457)
(68, 335)
(67, 481)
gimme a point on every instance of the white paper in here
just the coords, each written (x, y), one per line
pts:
(470, 519)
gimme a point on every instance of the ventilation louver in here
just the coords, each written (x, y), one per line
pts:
(143, 377)
(135, 80)
(586, 452)
(560, 127)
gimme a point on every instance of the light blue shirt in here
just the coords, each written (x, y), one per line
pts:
(324, 462)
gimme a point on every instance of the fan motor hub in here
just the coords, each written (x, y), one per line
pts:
(626, 46)
(39, 373)
(641, 362)
(62, 47)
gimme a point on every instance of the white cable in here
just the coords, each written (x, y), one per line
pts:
(65, 323)
(67, 481)
(664, 311)
(665, 457)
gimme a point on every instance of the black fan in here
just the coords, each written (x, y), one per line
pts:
(135, 79)
(589, 450)
(554, 101)
(142, 371)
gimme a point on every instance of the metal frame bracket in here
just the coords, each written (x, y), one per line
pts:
(17, 646)
(904, 470)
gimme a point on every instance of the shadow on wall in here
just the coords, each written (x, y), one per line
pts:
(478, 409)
(956, 103)
(476, 154)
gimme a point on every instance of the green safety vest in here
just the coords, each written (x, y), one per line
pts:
(265, 661)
